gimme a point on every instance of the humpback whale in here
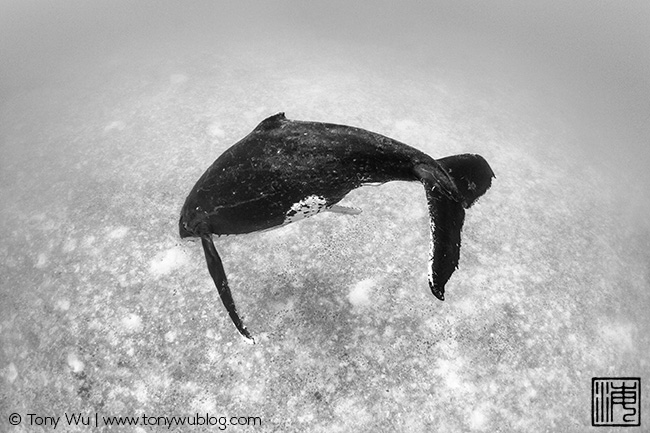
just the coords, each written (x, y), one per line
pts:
(286, 170)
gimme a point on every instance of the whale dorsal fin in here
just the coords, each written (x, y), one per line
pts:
(271, 122)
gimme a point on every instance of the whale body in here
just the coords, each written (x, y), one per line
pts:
(287, 170)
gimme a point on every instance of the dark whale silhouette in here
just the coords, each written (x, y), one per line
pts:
(286, 170)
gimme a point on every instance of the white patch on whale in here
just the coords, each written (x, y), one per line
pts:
(432, 247)
(308, 206)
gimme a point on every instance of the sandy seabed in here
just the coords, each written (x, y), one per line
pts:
(106, 311)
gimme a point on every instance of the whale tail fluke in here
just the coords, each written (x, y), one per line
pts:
(472, 177)
(471, 174)
(447, 218)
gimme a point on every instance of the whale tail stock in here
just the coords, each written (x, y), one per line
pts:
(471, 177)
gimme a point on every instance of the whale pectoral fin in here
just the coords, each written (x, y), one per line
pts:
(219, 277)
(344, 210)
(447, 216)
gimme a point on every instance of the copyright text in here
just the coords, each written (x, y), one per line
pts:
(98, 420)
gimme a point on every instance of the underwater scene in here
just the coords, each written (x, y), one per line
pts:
(110, 112)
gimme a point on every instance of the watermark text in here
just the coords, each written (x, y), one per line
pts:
(95, 419)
